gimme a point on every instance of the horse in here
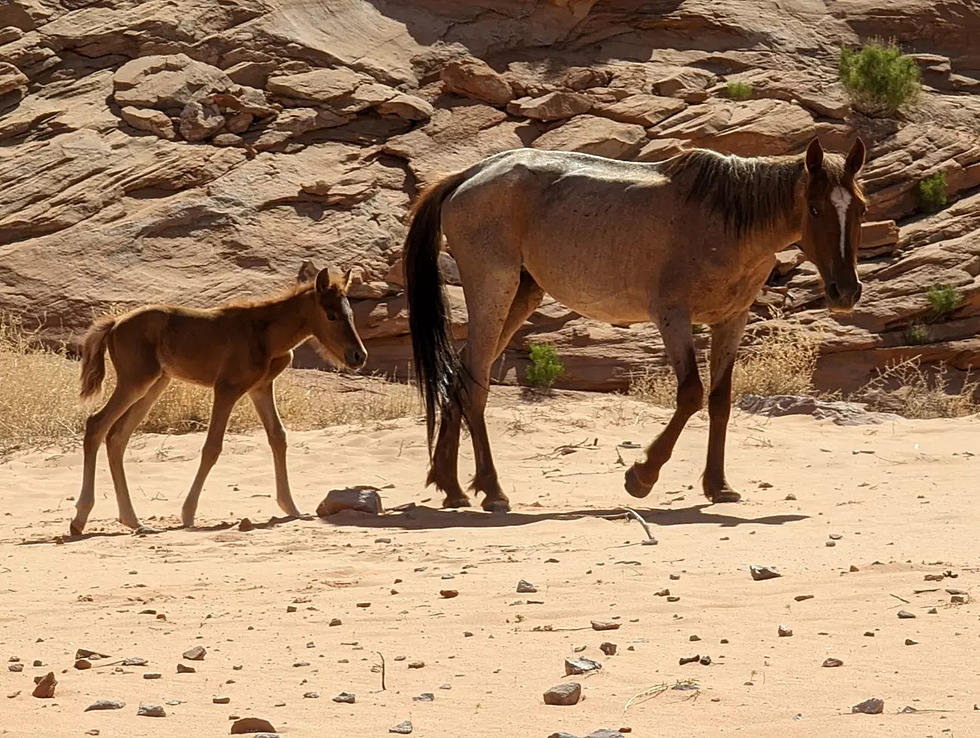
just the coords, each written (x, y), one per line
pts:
(691, 238)
(236, 349)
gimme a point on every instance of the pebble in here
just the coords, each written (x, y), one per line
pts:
(246, 525)
(290, 608)
(910, 642)
(145, 710)
(345, 697)
(416, 664)
(221, 700)
(106, 705)
(181, 669)
(853, 568)
(673, 598)
(801, 598)
(662, 592)
(905, 614)
(830, 544)
(424, 697)
(382, 540)
(335, 622)
(958, 599)
(694, 638)
(364, 604)
(705, 661)
(831, 662)
(674, 577)
(251, 725)
(608, 648)
(134, 661)
(82, 664)
(403, 728)
(581, 666)
(525, 587)
(84, 653)
(448, 593)
(784, 631)
(568, 693)
(873, 706)
(689, 659)
(152, 675)
(835, 536)
(605, 625)
(760, 573)
(790, 497)
(869, 633)
(311, 695)
(45, 686)
(15, 667)
(195, 654)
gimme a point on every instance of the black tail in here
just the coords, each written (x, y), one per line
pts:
(437, 364)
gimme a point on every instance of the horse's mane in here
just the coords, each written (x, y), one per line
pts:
(271, 299)
(750, 194)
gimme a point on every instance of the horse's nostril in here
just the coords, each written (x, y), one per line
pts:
(832, 291)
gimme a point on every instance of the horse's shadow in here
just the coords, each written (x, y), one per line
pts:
(421, 517)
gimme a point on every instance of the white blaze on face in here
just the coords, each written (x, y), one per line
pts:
(842, 200)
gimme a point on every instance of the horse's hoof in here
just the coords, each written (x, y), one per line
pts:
(496, 506)
(634, 485)
(460, 501)
(74, 530)
(725, 494)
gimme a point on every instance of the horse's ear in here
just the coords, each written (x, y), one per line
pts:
(855, 158)
(814, 156)
(307, 272)
(348, 278)
(323, 281)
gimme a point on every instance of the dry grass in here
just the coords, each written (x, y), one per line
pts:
(39, 398)
(783, 364)
(913, 391)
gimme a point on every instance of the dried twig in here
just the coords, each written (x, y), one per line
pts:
(658, 689)
(651, 539)
(900, 598)
(382, 657)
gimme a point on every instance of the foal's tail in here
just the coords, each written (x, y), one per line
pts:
(93, 356)
(437, 365)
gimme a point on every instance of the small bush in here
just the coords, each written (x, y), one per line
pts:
(879, 78)
(931, 192)
(912, 391)
(545, 366)
(739, 90)
(916, 334)
(943, 299)
(698, 328)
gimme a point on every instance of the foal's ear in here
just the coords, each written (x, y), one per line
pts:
(855, 158)
(814, 156)
(348, 278)
(323, 281)
(307, 272)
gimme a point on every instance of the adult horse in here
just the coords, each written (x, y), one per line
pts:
(688, 239)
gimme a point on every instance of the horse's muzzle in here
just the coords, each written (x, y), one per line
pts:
(355, 358)
(842, 298)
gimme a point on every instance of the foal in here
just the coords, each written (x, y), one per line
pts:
(236, 349)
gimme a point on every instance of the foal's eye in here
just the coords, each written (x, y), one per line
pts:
(331, 316)
(814, 212)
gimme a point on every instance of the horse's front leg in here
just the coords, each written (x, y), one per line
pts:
(675, 328)
(725, 338)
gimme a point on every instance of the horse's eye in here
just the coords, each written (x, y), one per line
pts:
(814, 212)
(331, 316)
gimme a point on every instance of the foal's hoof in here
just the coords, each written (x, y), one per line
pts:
(725, 494)
(74, 530)
(634, 485)
(496, 505)
(456, 501)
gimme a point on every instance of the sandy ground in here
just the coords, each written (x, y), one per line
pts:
(901, 496)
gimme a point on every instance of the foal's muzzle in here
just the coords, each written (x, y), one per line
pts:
(355, 358)
(842, 298)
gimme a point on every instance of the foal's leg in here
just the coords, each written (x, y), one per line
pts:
(264, 399)
(725, 338)
(224, 400)
(116, 441)
(128, 390)
(675, 328)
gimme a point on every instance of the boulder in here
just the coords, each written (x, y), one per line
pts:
(640, 109)
(475, 79)
(408, 107)
(149, 120)
(319, 85)
(166, 82)
(553, 106)
(198, 122)
(590, 134)
(11, 78)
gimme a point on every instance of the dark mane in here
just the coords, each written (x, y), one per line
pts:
(750, 194)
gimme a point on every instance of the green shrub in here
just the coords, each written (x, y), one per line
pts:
(545, 366)
(943, 299)
(739, 90)
(932, 192)
(878, 77)
(697, 328)
(916, 334)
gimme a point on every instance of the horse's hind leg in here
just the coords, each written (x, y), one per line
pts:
(725, 338)
(675, 328)
(129, 389)
(224, 400)
(116, 440)
(526, 301)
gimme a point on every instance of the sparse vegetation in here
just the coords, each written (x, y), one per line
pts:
(913, 391)
(697, 328)
(739, 90)
(545, 365)
(931, 192)
(783, 364)
(916, 334)
(39, 398)
(879, 78)
(943, 299)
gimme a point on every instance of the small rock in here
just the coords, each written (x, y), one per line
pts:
(195, 654)
(362, 498)
(705, 661)
(135, 661)
(853, 569)
(38, 662)
(673, 598)
(910, 642)
(608, 648)
(525, 587)
(311, 695)
(835, 536)
(873, 706)
(145, 710)
(83, 664)
(416, 664)
(424, 697)
(335, 622)
(760, 573)
(221, 700)
(694, 638)
(290, 608)
(688, 659)
(152, 675)
(568, 693)
(247, 725)
(905, 614)
(345, 697)
(17, 668)
(364, 604)
(45, 686)
(830, 544)
(448, 593)
(181, 669)
(662, 592)
(106, 705)
(246, 525)
(674, 577)
(801, 598)
(790, 497)
(869, 633)
(561, 734)
(830, 663)
(605, 625)
(958, 599)
(784, 631)
(581, 666)
(403, 728)
(606, 733)
(84, 653)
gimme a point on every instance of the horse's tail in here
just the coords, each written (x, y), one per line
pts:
(437, 365)
(93, 356)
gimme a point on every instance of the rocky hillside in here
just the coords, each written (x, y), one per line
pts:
(194, 151)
